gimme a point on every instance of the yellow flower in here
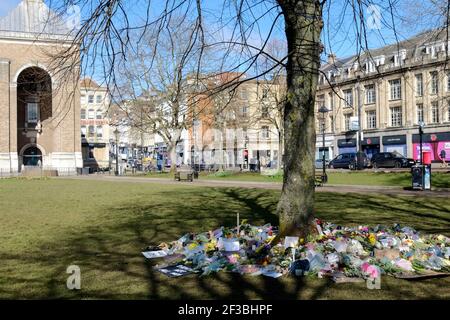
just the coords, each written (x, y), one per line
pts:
(210, 246)
(372, 239)
(192, 246)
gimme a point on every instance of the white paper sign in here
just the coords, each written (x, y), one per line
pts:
(154, 254)
(290, 242)
(231, 244)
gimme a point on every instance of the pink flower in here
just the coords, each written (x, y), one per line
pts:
(370, 270)
(232, 259)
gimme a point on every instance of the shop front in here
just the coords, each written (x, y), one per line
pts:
(370, 146)
(327, 149)
(395, 144)
(347, 145)
(434, 143)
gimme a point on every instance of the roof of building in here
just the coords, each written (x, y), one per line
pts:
(88, 83)
(34, 19)
(413, 47)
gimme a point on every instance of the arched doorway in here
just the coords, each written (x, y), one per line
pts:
(34, 107)
(32, 157)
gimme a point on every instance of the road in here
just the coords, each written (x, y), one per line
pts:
(265, 185)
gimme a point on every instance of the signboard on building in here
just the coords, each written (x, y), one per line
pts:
(346, 143)
(401, 139)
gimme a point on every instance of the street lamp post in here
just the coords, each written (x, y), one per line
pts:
(323, 110)
(116, 134)
(421, 125)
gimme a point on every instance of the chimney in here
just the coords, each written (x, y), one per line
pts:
(331, 58)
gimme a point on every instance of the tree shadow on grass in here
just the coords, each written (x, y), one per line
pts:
(112, 267)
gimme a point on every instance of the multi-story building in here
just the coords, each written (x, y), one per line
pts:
(94, 123)
(40, 122)
(388, 92)
(238, 127)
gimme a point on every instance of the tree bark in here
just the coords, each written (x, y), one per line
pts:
(172, 149)
(303, 26)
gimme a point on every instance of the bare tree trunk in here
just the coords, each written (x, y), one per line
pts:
(303, 26)
(172, 148)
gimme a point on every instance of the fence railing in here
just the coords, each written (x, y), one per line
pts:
(39, 172)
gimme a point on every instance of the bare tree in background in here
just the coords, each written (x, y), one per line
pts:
(106, 35)
(153, 82)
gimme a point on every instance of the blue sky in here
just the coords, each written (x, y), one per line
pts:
(341, 41)
(7, 5)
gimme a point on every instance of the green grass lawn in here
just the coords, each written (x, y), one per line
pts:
(400, 179)
(48, 225)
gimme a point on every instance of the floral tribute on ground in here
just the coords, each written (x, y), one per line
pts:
(340, 252)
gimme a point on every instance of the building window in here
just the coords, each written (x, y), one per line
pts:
(448, 81)
(320, 101)
(396, 116)
(265, 132)
(83, 113)
(434, 82)
(370, 94)
(265, 111)
(399, 58)
(434, 112)
(348, 97)
(419, 85)
(420, 113)
(330, 96)
(83, 99)
(99, 131)
(98, 99)
(83, 131)
(396, 89)
(32, 112)
(91, 114)
(98, 114)
(91, 131)
(243, 94)
(91, 99)
(371, 117)
(347, 121)
(244, 111)
(448, 111)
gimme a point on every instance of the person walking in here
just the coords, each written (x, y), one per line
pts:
(443, 155)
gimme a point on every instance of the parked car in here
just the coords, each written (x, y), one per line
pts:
(319, 163)
(391, 160)
(349, 161)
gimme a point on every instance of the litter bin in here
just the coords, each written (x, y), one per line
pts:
(427, 170)
(421, 174)
(417, 177)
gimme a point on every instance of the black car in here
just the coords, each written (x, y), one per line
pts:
(349, 161)
(391, 160)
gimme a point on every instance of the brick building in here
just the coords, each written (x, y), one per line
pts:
(40, 123)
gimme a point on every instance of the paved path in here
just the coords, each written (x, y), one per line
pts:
(266, 185)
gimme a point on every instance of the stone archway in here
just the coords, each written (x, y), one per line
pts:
(34, 108)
